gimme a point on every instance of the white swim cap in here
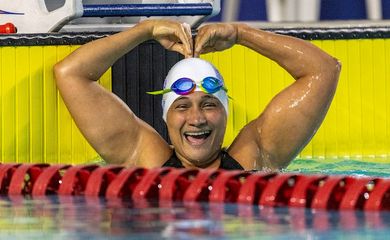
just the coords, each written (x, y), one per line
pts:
(195, 69)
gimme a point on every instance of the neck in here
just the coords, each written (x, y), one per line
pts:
(211, 164)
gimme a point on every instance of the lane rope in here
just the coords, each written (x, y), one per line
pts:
(336, 192)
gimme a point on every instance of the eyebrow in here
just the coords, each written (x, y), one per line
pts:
(181, 98)
(208, 96)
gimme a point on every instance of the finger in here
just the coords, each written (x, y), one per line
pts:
(170, 45)
(177, 47)
(207, 50)
(201, 40)
(187, 29)
(174, 45)
(185, 39)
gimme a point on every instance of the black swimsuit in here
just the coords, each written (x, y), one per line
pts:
(227, 162)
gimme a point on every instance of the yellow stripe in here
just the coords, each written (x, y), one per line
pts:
(8, 105)
(386, 78)
(64, 119)
(329, 126)
(380, 119)
(316, 147)
(368, 114)
(22, 105)
(49, 105)
(36, 105)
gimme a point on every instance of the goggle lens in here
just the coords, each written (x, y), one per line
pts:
(183, 86)
(212, 84)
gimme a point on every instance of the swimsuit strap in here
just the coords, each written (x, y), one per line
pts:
(229, 163)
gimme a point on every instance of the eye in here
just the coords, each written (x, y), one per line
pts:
(209, 105)
(182, 103)
(181, 107)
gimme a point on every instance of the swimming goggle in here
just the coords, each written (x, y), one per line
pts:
(185, 86)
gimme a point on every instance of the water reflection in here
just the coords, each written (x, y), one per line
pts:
(98, 218)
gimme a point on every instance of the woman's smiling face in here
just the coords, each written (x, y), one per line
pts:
(196, 126)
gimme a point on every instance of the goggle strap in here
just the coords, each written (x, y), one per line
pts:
(159, 92)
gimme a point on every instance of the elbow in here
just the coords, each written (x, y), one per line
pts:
(336, 65)
(329, 70)
(64, 73)
(60, 71)
(333, 66)
(335, 70)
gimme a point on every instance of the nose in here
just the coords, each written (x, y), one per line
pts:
(196, 117)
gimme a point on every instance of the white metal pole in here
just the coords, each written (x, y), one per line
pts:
(374, 9)
(308, 10)
(274, 10)
(231, 10)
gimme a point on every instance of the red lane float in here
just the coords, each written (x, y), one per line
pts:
(331, 193)
(302, 195)
(175, 183)
(6, 173)
(24, 177)
(200, 187)
(124, 183)
(49, 180)
(226, 186)
(278, 191)
(100, 179)
(253, 187)
(189, 185)
(75, 180)
(148, 187)
(380, 196)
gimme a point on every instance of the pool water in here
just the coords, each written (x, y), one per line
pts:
(83, 218)
(71, 217)
(381, 168)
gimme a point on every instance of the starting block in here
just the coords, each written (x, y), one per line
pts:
(35, 18)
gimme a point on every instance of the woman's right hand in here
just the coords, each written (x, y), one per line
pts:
(172, 35)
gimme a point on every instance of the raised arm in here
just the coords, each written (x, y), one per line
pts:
(107, 123)
(294, 115)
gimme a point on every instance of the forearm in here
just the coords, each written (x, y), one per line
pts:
(300, 58)
(92, 60)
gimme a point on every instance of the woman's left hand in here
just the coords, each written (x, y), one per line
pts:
(215, 37)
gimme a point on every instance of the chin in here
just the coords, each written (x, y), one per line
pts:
(199, 157)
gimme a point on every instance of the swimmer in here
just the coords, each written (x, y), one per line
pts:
(195, 100)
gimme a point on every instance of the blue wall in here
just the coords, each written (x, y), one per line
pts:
(255, 10)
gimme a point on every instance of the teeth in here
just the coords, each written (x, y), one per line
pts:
(198, 133)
